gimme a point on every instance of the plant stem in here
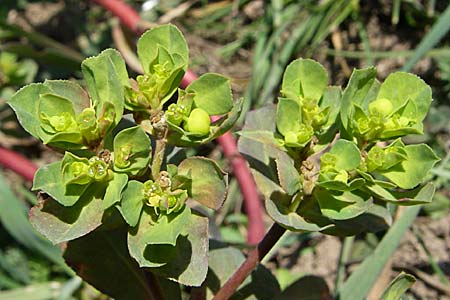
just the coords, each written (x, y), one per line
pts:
(127, 15)
(252, 261)
(17, 163)
(158, 157)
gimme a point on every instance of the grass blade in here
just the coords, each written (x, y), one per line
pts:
(436, 33)
(14, 218)
(360, 282)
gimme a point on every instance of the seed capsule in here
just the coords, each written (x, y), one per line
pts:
(198, 122)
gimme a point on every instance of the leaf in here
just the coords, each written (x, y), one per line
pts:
(212, 93)
(398, 286)
(400, 87)
(361, 280)
(189, 265)
(48, 179)
(261, 136)
(223, 262)
(106, 77)
(337, 185)
(342, 205)
(277, 201)
(361, 81)
(420, 195)
(208, 181)
(114, 190)
(52, 105)
(331, 98)
(420, 160)
(132, 202)
(132, 150)
(60, 224)
(14, 218)
(102, 259)
(26, 105)
(289, 116)
(70, 90)
(163, 233)
(288, 176)
(347, 154)
(304, 77)
(168, 36)
(308, 287)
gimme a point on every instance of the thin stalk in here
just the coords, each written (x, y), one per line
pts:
(158, 157)
(252, 261)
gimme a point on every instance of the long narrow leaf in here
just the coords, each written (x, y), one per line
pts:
(14, 218)
(437, 32)
(361, 281)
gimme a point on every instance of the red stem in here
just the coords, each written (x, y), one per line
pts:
(17, 163)
(252, 261)
(252, 203)
(126, 14)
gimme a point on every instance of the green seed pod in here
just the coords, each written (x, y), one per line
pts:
(198, 122)
(382, 107)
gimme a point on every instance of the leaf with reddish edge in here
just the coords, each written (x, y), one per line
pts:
(60, 224)
(208, 182)
(102, 259)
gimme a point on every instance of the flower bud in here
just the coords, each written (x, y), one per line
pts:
(290, 138)
(342, 176)
(87, 122)
(98, 169)
(176, 113)
(63, 122)
(305, 133)
(327, 162)
(198, 122)
(122, 156)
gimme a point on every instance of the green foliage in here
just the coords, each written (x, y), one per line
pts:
(111, 183)
(340, 187)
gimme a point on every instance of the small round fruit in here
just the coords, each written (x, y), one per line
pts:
(198, 122)
(381, 107)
